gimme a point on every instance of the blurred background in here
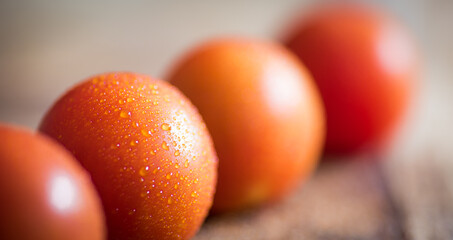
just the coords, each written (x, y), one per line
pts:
(47, 46)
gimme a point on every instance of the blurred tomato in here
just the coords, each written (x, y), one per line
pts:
(45, 193)
(365, 65)
(263, 112)
(147, 149)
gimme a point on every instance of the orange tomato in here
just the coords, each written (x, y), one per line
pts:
(365, 65)
(264, 115)
(45, 193)
(147, 149)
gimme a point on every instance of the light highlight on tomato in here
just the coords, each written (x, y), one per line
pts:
(45, 193)
(147, 149)
(365, 65)
(263, 112)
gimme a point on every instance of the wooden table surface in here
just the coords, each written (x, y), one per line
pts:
(353, 200)
(342, 201)
(405, 193)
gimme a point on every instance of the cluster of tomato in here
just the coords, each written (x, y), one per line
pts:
(240, 123)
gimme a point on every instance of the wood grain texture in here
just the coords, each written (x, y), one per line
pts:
(341, 201)
(423, 194)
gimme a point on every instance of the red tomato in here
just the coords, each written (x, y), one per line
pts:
(147, 149)
(45, 193)
(365, 65)
(263, 112)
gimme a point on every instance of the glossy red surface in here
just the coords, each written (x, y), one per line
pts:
(263, 112)
(44, 193)
(147, 149)
(365, 65)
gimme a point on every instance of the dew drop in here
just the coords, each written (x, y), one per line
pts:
(169, 176)
(131, 212)
(129, 100)
(146, 133)
(176, 165)
(144, 171)
(125, 114)
(186, 164)
(165, 127)
(194, 194)
(170, 201)
(177, 153)
(164, 145)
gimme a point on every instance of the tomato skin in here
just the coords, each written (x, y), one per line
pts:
(147, 149)
(263, 112)
(365, 66)
(45, 193)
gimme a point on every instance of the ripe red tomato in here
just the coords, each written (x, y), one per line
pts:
(263, 112)
(147, 149)
(365, 65)
(45, 193)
